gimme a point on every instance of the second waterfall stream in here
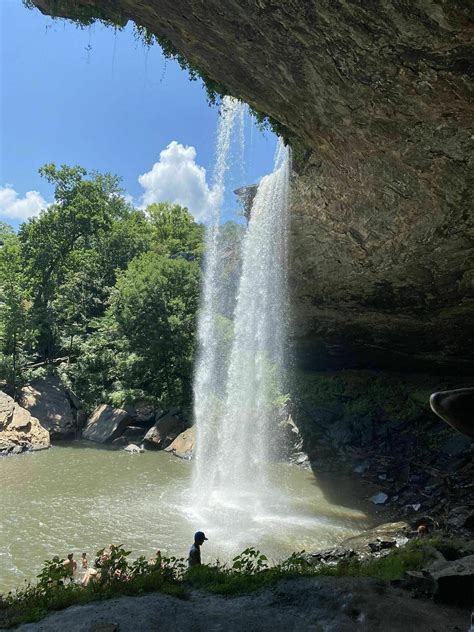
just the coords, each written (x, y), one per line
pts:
(240, 372)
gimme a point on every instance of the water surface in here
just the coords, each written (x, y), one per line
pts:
(78, 497)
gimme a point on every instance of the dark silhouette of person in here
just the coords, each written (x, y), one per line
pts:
(194, 558)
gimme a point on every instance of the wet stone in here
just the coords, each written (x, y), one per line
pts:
(379, 499)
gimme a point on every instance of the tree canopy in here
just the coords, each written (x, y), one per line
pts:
(111, 289)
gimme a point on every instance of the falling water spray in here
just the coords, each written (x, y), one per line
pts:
(237, 416)
(209, 377)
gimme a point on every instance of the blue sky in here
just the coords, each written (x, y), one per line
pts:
(100, 99)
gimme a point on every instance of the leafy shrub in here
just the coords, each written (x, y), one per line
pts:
(249, 561)
(52, 575)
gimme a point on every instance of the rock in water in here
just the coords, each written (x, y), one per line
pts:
(183, 445)
(106, 424)
(384, 536)
(134, 449)
(47, 400)
(379, 499)
(164, 431)
(19, 430)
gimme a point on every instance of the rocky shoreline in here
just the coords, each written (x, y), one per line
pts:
(420, 486)
(47, 412)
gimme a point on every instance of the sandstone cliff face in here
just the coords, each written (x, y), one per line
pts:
(375, 100)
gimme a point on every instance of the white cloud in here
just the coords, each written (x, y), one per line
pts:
(178, 179)
(14, 207)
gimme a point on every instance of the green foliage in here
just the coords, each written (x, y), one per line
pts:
(113, 288)
(174, 230)
(154, 305)
(414, 556)
(82, 213)
(112, 563)
(116, 577)
(83, 15)
(249, 561)
(16, 331)
(52, 575)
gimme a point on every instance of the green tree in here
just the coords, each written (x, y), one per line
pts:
(155, 304)
(129, 235)
(174, 230)
(15, 304)
(90, 274)
(83, 210)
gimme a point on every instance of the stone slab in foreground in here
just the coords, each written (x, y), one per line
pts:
(312, 604)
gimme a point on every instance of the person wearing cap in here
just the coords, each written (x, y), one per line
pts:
(194, 558)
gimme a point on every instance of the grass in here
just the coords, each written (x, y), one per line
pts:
(412, 557)
(248, 573)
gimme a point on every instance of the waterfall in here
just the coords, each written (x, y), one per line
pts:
(239, 379)
(209, 382)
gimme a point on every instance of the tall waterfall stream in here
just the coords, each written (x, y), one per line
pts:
(240, 378)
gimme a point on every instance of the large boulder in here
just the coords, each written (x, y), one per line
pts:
(453, 580)
(47, 400)
(106, 424)
(456, 408)
(19, 430)
(131, 434)
(164, 431)
(143, 413)
(183, 445)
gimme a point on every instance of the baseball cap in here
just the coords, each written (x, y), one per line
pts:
(199, 535)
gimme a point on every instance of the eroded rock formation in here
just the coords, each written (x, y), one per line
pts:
(19, 430)
(374, 98)
(47, 399)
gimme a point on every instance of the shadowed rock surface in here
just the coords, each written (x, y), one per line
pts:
(164, 431)
(106, 424)
(374, 98)
(327, 603)
(46, 399)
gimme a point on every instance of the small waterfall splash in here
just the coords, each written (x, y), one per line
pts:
(237, 398)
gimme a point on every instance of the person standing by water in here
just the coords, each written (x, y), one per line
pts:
(70, 565)
(84, 562)
(194, 558)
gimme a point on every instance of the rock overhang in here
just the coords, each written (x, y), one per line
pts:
(375, 99)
